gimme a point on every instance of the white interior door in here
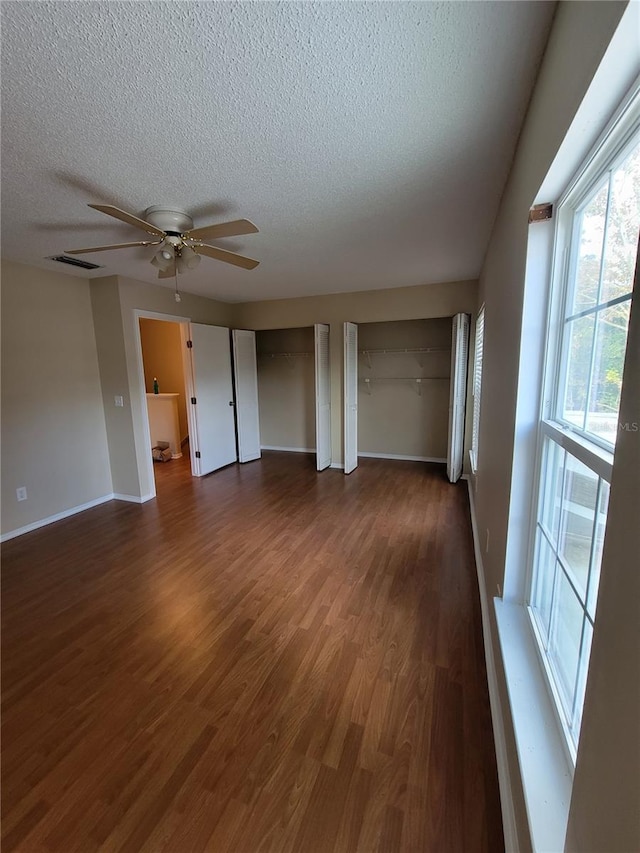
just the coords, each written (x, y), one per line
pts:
(246, 376)
(323, 397)
(350, 397)
(457, 395)
(212, 433)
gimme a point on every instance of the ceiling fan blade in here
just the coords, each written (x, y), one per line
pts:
(116, 246)
(222, 229)
(227, 257)
(129, 218)
(169, 273)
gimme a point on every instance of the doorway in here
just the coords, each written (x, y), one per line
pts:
(166, 396)
(195, 359)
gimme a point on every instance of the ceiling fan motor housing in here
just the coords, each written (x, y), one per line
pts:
(174, 222)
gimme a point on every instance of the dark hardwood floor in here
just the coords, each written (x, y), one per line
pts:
(265, 659)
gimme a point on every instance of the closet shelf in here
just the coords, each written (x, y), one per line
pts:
(403, 350)
(419, 351)
(285, 354)
(416, 381)
(291, 358)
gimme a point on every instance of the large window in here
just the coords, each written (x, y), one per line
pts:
(601, 267)
(596, 249)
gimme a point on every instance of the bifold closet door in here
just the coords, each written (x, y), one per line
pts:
(457, 395)
(350, 397)
(246, 377)
(212, 429)
(323, 397)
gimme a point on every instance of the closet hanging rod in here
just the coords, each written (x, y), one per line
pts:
(417, 379)
(286, 354)
(402, 350)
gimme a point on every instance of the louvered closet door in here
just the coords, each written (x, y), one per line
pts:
(246, 378)
(457, 395)
(350, 397)
(212, 429)
(323, 397)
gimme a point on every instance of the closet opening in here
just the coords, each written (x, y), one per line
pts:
(404, 375)
(286, 389)
(294, 391)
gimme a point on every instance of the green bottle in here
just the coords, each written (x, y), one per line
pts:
(156, 388)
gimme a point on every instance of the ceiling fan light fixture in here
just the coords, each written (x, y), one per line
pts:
(163, 258)
(189, 258)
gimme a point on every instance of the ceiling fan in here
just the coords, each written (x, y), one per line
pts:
(179, 243)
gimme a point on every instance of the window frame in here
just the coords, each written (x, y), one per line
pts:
(596, 454)
(596, 175)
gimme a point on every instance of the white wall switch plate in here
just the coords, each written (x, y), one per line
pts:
(119, 401)
(21, 493)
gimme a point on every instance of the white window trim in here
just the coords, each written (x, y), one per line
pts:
(624, 122)
(591, 455)
(592, 177)
(545, 764)
(594, 454)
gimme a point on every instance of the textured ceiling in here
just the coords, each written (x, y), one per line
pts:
(369, 142)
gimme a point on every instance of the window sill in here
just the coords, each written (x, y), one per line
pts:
(547, 777)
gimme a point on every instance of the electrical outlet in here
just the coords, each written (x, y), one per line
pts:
(119, 400)
(21, 493)
(486, 547)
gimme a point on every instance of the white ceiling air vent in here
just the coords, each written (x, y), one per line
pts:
(74, 262)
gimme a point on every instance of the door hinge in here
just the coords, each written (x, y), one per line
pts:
(193, 400)
(189, 344)
(197, 454)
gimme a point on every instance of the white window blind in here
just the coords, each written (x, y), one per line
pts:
(457, 395)
(477, 386)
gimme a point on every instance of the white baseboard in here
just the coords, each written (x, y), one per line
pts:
(133, 499)
(289, 449)
(43, 522)
(504, 777)
(337, 465)
(401, 457)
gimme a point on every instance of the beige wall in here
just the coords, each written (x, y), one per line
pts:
(371, 306)
(286, 388)
(107, 320)
(396, 416)
(162, 358)
(601, 817)
(368, 306)
(53, 428)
